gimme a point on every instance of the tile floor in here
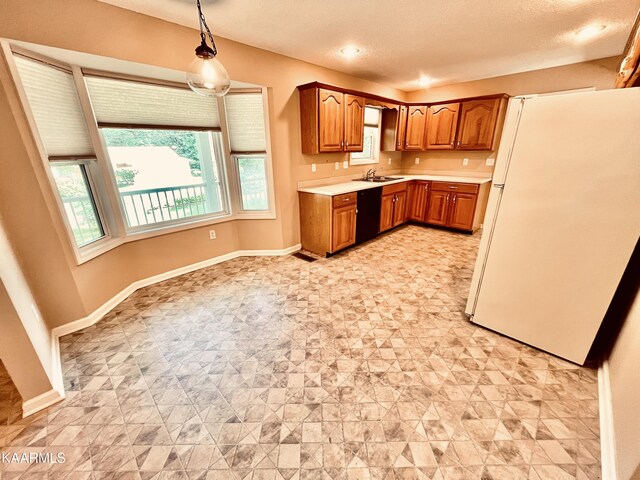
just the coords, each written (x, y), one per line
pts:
(357, 367)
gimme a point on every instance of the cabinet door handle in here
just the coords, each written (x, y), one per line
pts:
(347, 144)
(448, 197)
(454, 198)
(426, 187)
(458, 142)
(452, 143)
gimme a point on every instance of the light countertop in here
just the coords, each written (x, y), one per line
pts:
(355, 185)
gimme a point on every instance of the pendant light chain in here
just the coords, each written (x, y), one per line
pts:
(203, 23)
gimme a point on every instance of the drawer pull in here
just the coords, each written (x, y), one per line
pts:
(452, 186)
(346, 199)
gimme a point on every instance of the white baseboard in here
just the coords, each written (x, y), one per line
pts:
(44, 400)
(607, 442)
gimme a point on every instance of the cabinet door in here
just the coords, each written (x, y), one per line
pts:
(402, 128)
(416, 124)
(463, 206)
(417, 201)
(442, 124)
(331, 121)
(344, 227)
(353, 123)
(478, 120)
(399, 209)
(386, 212)
(438, 207)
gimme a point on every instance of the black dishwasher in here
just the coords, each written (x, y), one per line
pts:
(368, 218)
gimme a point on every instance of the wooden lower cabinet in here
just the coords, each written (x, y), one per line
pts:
(457, 205)
(438, 208)
(386, 212)
(343, 230)
(393, 206)
(327, 223)
(417, 200)
(399, 209)
(463, 206)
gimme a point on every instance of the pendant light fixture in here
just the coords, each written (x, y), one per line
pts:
(206, 75)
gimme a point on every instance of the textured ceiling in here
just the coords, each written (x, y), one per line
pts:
(448, 40)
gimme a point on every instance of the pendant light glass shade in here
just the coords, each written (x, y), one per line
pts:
(208, 77)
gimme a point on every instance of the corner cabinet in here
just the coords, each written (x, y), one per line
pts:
(327, 224)
(457, 205)
(478, 122)
(331, 121)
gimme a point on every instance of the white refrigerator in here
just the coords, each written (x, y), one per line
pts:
(562, 220)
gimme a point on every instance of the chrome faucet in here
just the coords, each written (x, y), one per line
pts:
(371, 173)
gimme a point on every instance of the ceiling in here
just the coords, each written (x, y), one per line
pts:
(447, 40)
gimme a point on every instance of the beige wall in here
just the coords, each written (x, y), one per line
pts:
(598, 73)
(65, 291)
(625, 394)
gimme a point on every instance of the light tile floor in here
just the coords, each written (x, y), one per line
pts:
(357, 367)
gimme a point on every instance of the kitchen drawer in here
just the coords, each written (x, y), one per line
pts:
(345, 199)
(395, 188)
(455, 187)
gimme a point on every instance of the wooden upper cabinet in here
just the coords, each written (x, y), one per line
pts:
(401, 128)
(331, 121)
(416, 124)
(353, 123)
(442, 125)
(478, 119)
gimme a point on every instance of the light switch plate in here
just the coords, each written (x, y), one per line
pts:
(465, 162)
(345, 164)
(417, 160)
(337, 165)
(490, 162)
(313, 167)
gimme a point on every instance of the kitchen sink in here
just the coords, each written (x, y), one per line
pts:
(378, 179)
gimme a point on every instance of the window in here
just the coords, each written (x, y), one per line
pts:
(165, 175)
(56, 110)
(248, 145)
(130, 156)
(73, 186)
(252, 175)
(371, 146)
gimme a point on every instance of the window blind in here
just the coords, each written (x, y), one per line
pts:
(245, 121)
(53, 100)
(371, 116)
(127, 103)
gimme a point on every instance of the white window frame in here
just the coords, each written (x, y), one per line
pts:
(102, 181)
(216, 150)
(375, 147)
(268, 213)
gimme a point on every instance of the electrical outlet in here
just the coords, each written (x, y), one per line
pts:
(345, 164)
(389, 162)
(337, 165)
(417, 160)
(313, 167)
(212, 234)
(465, 162)
(490, 162)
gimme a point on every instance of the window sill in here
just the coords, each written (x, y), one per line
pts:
(103, 246)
